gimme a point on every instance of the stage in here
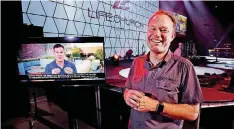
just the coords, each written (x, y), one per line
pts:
(213, 96)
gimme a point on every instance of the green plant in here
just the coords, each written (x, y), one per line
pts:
(75, 52)
(99, 54)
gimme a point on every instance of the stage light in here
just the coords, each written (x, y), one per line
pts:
(71, 38)
(115, 59)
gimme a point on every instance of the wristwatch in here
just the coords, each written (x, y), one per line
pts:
(160, 107)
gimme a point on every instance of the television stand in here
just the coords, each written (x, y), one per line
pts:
(38, 114)
(73, 121)
(98, 106)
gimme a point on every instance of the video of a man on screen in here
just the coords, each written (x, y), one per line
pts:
(61, 59)
(181, 23)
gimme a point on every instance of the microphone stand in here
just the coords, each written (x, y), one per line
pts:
(138, 44)
(214, 37)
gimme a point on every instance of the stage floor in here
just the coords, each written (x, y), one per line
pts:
(214, 96)
(218, 58)
(199, 71)
(221, 66)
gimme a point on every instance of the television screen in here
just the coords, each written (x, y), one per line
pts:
(69, 59)
(181, 23)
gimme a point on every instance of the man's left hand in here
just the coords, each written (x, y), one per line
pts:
(147, 104)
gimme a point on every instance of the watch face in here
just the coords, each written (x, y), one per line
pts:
(160, 107)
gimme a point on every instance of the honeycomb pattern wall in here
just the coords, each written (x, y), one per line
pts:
(122, 23)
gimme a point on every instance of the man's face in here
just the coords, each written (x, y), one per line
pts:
(59, 54)
(160, 33)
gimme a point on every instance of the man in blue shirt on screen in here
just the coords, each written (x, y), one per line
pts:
(60, 65)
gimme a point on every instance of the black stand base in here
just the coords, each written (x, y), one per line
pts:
(38, 114)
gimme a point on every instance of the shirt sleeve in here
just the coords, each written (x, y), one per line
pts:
(131, 71)
(191, 89)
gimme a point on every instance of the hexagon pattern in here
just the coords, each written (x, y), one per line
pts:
(122, 23)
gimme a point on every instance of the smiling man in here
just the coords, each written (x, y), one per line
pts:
(60, 65)
(162, 89)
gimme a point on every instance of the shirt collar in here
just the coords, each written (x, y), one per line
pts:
(166, 58)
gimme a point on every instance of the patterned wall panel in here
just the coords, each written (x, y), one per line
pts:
(122, 23)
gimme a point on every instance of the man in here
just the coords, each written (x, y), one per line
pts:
(162, 88)
(59, 65)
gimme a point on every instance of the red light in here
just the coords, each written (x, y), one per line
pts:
(116, 57)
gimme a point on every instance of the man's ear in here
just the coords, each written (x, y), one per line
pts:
(173, 35)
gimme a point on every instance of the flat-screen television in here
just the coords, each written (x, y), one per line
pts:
(181, 23)
(67, 60)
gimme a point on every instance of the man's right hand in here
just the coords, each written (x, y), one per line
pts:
(55, 71)
(132, 97)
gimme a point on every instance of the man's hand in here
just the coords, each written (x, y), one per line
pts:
(132, 97)
(55, 71)
(147, 104)
(68, 70)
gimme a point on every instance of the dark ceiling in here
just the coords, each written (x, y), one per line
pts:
(224, 12)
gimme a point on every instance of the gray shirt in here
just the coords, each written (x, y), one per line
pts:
(173, 80)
